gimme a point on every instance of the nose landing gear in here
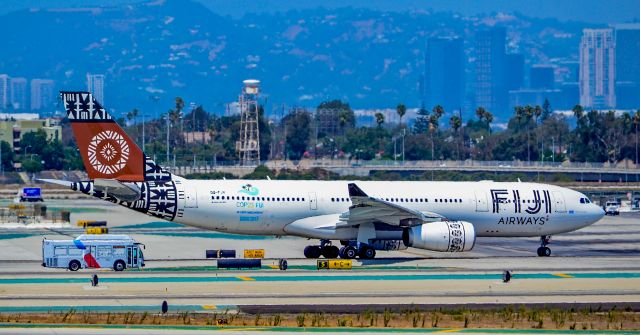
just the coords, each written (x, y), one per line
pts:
(544, 251)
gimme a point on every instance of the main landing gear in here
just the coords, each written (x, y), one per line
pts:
(325, 249)
(349, 251)
(544, 251)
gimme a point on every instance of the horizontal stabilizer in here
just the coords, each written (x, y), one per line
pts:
(125, 192)
(57, 182)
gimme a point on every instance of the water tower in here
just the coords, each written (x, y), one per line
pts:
(248, 145)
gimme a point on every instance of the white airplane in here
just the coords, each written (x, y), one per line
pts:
(364, 216)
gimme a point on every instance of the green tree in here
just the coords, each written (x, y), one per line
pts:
(7, 157)
(379, 119)
(421, 125)
(546, 110)
(298, 128)
(401, 109)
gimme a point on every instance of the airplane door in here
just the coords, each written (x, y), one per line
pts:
(558, 201)
(190, 197)
(481, 201)
(313, 201)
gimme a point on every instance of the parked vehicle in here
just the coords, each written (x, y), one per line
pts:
(30, 194)
(93, 251)
(612, 208)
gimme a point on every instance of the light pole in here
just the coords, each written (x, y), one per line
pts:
(167, 122)
(404, 132)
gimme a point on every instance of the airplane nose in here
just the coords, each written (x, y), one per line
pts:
(598, 212)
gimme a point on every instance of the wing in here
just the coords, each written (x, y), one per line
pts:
(368, 209)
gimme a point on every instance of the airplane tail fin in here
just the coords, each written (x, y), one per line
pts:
(107, 151)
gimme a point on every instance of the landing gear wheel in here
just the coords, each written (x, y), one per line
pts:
(312, 251)
(350, 252)
(341, 252)
(367, 253)
(330, 251)
(544, 252)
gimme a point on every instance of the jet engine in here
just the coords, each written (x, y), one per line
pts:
(453, 236)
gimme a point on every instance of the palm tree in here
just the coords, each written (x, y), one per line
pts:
(434, 119)
(379, 119)
(456, 122)
(401, 109)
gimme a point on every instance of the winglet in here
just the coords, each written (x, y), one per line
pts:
(355, 191)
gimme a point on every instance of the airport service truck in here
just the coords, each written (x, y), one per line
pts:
(93, 251)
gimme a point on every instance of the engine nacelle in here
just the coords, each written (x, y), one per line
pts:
(453, 236)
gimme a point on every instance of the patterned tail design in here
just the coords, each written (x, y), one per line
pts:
(108, 152)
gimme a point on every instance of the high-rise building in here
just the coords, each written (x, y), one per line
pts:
(41, 94)
(627, 65)
(491, 90)
(541, 77)
(597, 69)
(18, 96)
(444, 73)
(514, 71)
(95, 85)
(4, 91)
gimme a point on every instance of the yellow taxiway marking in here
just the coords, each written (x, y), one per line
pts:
(274, 266)
(448, 331)
(209, 307)
(245, 278)
(563, 275)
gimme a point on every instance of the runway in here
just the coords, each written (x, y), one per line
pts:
(594, 266)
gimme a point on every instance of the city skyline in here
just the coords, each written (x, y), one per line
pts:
(496, 62)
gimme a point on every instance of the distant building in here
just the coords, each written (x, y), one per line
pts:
(18, 96)
(14, 126)
(514, 72)
(444, 73)
(42, 95)
(597, 69)
(4, 91)
(541, 77)
(627, 38)
(570, 96)
(95, 85)
(491, 90)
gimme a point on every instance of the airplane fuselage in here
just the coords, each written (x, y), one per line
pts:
(267, 207)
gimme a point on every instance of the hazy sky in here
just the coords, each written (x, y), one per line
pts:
(594, 11)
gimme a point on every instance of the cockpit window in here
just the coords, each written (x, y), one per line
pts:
(582, 200)
(585, 201)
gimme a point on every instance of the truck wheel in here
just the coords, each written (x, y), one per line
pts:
(74, 265)
(119, 266)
